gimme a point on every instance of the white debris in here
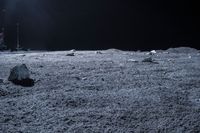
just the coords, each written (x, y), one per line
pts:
(151, 52)
(73, 50)
(132, 60)
(84, 78)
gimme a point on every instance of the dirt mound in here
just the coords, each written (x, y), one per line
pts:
(182, 50)
(113, 50)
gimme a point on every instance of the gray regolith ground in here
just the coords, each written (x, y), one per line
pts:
(112, 92)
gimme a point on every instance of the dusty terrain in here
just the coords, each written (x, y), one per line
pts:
(110, 91)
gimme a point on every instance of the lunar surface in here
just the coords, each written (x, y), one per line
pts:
(109, 91)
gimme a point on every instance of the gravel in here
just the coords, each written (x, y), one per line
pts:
(106, 93)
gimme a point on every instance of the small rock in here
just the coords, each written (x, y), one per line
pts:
(23, 55)
(1, 81)
(20, 75)
(99, 52)
(77, 78)
(148, 60)
(70, 54)
(3, 92)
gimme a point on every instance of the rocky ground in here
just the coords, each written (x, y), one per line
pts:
(109, 91)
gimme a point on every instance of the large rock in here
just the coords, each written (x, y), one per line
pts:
(20, 75)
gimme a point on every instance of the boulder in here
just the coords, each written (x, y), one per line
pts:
(20, 75)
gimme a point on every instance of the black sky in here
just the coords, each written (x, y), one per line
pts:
(102, 24)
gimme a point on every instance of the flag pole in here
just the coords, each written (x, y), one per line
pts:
(18, 41)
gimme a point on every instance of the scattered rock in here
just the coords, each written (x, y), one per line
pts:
(3, 92)
(77, 78)
(70, 54)
(1, 81)
(149, 59)
(20, 75)
(23, 55)
(99, 52)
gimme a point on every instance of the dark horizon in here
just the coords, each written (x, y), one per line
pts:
(103, 24)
